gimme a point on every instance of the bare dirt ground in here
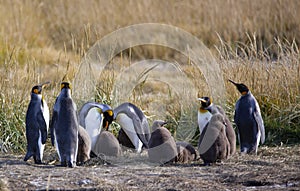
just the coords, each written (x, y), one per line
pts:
(274, 168)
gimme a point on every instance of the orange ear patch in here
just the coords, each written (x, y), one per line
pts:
(110, 112)
(36, 91)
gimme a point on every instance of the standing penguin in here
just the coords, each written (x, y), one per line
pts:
(134, 126)
(37, 124)
(162, 146)
(64, 127)
(248, 120)
(93, 117)
(213, 144)
(205, 113)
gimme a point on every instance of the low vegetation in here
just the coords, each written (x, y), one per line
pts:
(255, 42)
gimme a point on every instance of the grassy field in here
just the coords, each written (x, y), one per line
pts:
(255, 42)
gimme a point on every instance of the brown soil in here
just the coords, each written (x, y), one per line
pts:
(274, 168)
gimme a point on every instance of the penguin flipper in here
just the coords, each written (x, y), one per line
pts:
(42, 126)
(141, 131)
(52, 125)
(260, 124)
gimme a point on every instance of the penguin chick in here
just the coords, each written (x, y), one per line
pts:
(107, 145)
(186, 152)
(248, 120)
(37, 124)
(203, 118)
(162, 146)
(213, 144)
(84, 145)
(230, 133)
(64, 127)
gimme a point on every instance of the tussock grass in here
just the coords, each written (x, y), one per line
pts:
(255, 42)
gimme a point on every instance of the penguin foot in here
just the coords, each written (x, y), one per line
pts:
(38, 162)
(71, 164)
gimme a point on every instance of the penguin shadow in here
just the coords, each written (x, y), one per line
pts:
(41, 166)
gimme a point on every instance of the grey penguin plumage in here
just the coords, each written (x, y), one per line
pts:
(84, 145)
(107, 145)
(162, 147)
(64, 127)
(37, 124)
(213, 144)
(134, 126)
(94, 117)
(186, 152)
(207, 105)
(248, 119)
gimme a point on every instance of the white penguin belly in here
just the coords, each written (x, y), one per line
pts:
(46, 114)
(127, 125)
(93, 125)
(203, 119)
(41, 146)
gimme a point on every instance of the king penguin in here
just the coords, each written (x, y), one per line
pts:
(93, 117)
(37, 124)
(205, 113)
(162, 146)
(213, 144)
(248, 120)
(134, 126)
(64, 127)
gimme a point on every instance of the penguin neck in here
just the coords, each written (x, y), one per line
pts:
(36, 96)
(244, 93)
(65, 92)
(202, 110)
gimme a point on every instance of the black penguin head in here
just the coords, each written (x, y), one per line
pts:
(37, 89)
(205, 102)
(108, 117)
(242, 88)
(65, 85)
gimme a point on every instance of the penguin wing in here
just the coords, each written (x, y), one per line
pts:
(259, 121)
(86, 108)
(42, 126)
(52, 125)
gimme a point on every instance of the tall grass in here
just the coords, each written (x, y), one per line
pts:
(256, 42)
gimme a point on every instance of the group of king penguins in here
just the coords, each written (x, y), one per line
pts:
(79, 135)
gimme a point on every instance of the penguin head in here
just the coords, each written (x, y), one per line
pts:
(157, 124)
(108, 117)
(38, 88)
(205, 102)
(65, 85)
(242, 88)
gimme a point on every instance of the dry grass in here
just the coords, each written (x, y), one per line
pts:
(255, 43)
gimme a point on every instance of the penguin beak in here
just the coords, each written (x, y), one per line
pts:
(106, 125)
(232, 82)
(44, 84)
(202, 100)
